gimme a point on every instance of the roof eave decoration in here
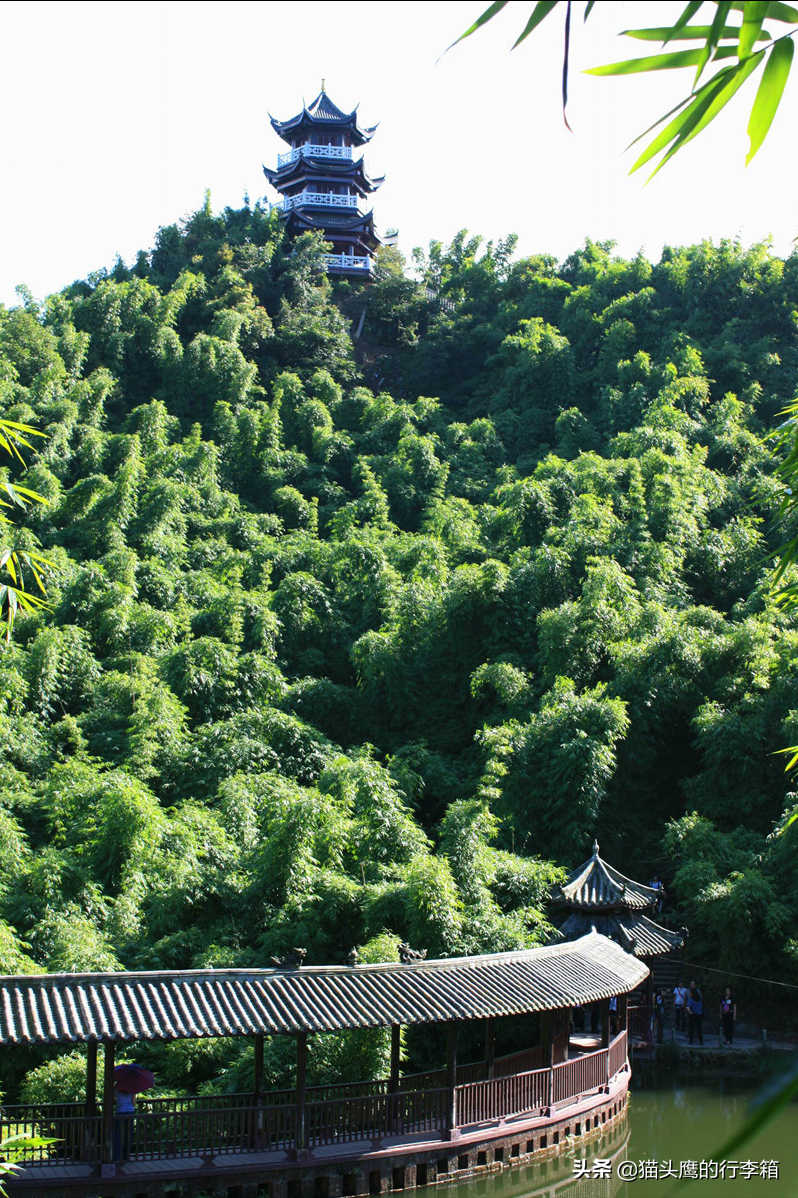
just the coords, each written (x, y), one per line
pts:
(64, 1008)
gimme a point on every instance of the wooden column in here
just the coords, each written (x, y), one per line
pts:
(393, 1103)
(109, 1105)
(623, 1012)
(256, 1125)
(547, 1040)
(300, 1133)
(396, 1043)
(257, 1086)
(91, 1079)
(451, 1079)
(605, 1023)
(490, 1046)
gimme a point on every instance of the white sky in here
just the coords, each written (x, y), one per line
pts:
(117, 116)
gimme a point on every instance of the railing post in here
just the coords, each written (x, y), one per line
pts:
(108, 1168)
(451, 1080)
(300, 1133)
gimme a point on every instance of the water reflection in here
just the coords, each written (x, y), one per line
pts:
(671, 1119)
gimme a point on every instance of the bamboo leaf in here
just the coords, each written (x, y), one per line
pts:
(23, 428)
(588, 8)
(776, 12)
(664, 34)
(654, 62)
(718, 101)
(565, 57)
(687, 15)
(539, 13)
(754, 14)
(718, 24)
(706, 104)
(772, 1101)
(769, 93)
(481, 20)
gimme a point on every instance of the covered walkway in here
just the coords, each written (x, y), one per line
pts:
(279, 1131)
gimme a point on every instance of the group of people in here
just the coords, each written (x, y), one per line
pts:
(688, 1012)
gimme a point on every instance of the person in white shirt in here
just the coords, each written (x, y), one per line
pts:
(680, 1006)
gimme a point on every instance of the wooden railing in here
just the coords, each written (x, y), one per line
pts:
(640, 1023)
(207, 1126)
(506, 1098)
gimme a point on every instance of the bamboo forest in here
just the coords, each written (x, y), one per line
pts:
(369, 608)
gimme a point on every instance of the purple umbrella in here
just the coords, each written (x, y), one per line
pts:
(132, 1078)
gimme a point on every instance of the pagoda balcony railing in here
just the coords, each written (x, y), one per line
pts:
(347, 262)
(317, 199)
(313, 151)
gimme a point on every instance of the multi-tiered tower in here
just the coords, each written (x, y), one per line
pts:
(324, 186)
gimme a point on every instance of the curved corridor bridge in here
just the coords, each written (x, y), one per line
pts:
(323, 1141)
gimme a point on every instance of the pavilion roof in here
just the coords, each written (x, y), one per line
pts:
(635, 932)
(360, 225)
(58, 1008)
(323, 113)
(325, 167)
(595, 885)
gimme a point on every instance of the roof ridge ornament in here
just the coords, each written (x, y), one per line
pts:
(292, 960)
(595, 848)
(411, 956)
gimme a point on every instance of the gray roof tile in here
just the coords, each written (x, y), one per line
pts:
(58, 1008)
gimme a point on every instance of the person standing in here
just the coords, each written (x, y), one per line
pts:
(613, 1009)
(679, 1005)
(659, 1015)
(123, 1124)
(695, 1013)
(656, 884)
(728, 1015)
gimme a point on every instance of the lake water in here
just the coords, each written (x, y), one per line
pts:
(671, 1119)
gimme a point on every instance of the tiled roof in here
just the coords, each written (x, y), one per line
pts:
(58, 1008)
(596, 885)
(634, 932)
(322, 166)
(322, 111)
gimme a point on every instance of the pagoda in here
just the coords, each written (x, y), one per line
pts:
(596, 896)
(324, 186)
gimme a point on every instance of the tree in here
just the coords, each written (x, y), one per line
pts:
(752, 46)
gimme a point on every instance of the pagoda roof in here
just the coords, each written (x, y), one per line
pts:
(635, 932)
(303, 222)
(323, 113)
(596, 886)
(330, 167)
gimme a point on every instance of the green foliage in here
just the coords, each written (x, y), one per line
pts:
(332, 665)
(721, 40)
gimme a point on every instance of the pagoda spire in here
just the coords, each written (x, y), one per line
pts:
(323, 187)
